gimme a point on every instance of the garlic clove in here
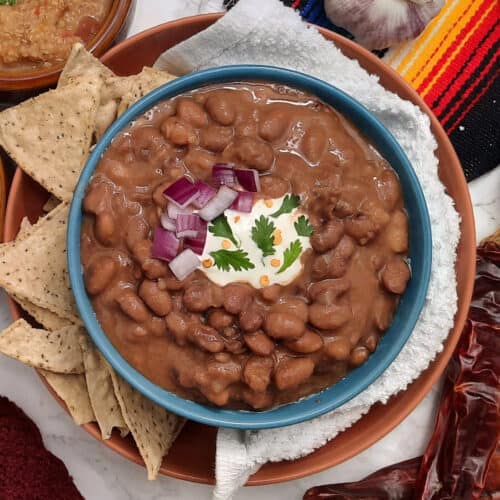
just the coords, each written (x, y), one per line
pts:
(377, 24)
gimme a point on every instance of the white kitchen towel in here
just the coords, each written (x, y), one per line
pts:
(266, 32)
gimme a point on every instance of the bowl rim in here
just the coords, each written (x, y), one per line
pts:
(316, 404)
(113, 22)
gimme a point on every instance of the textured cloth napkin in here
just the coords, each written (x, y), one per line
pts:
(267, 32)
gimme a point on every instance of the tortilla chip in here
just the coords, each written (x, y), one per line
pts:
(57, 351)
(100, 387)
(153, 428)
(49, 136)
(81, 65)
(72, 389)
(106, 115)
(24, 229)
(46, 318)
(132, 88)
(50, 204)
(35, 268)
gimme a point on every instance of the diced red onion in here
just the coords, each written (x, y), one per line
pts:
(174, 210)
(207, 192)
(197, 245)
(182, 192)
(248, 179)
(165, 244)
(184, 264)
(166, 222)
(244, 202)
(223, 175)
(216, 206)
(189, 226)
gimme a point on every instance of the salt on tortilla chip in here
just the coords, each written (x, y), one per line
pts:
(35, 268)
(81, 65)
(100, 387)
(153, 428)
(57, 351)
(132, 88)
(72, 389)
(46, 318)
(49, 136)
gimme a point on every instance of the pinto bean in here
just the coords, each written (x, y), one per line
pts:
(396, 234)
(178, 132)
(307, 343)
(362, 228)
(329, 316)
(133, 306)
(282, 325)
(220, 109)
(272, 186)
(388, 188)
(236, 298)
(149, 143)
(292, 305)
(201, 295)
(257, 372)
(97, 198)
(291, 372)
(327, 236)
(157, 300)
(253, 153)
(314, 143)
(178, 324)
(137, 230)
(270, 293)
(395, 275)
(217, 398)
(328, 291)
(207, 338)
(223, 373)
(259, 343)
(359, 355)
(333, 264)
(383, 309)
(337, 348)
(220, 319)
(99, 274)
(200, 163)
(105, 228)
(215, 138)
(257, 400)
(273, 124)
(371, 341)
(191, 112)
(251, 319)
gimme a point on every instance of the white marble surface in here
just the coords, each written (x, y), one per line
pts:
(101, 474)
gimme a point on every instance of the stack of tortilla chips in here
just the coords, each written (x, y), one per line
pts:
(50, 137)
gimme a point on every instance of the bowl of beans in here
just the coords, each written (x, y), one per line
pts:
(249, 247)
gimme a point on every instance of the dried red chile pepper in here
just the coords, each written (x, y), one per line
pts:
(467, 430)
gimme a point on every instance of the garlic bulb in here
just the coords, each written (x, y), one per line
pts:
(377, 24)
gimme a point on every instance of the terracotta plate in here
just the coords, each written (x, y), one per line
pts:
(27, 198)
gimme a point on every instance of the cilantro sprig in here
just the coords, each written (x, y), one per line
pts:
(288, 204)
(237, 259)
(303, 226)
(262, 234)
(7, 2)
(220, 227)
(290, 255)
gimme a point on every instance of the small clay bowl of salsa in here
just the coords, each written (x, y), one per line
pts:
(255, 247)
(36, 38)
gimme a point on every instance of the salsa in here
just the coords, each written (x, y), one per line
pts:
(276, 309)
(38, 34)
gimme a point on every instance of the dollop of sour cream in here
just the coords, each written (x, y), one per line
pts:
(263, 270)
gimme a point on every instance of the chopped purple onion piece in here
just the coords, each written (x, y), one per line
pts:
(165, 244)
(223, 175)
(248, 179)
(244, 202)
(174, 210)
(207, 192)
(184, 264)
(189, 226)
(166, 222)
(182, 192)
(216, 206)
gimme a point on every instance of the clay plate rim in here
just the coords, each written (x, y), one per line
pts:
(381, 419)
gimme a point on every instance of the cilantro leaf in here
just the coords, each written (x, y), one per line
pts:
(220, 227)
(237, 259)
(289, 203)
(7, 2)
(262, 234)
(303, 227)
(290, 255)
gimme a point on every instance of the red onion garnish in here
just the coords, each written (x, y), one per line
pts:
(244, 202)
(182, 192)
(189, 226)
(207, 192)
(249, 179)
(216, 206)
(223, 175)
(184, 264)
(166, 222)
(174, 210)
(165, 244)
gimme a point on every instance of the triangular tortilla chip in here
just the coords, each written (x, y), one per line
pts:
(24, 229)
(57, 351)
(80, 66)
(72, 389)
(35, 268)
(49, 136)
(46, 318)
(132, 88)
(100, 386)
(153, 428)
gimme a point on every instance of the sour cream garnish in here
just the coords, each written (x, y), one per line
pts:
(287, 246)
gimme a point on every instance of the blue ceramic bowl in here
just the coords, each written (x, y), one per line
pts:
(411, 301)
